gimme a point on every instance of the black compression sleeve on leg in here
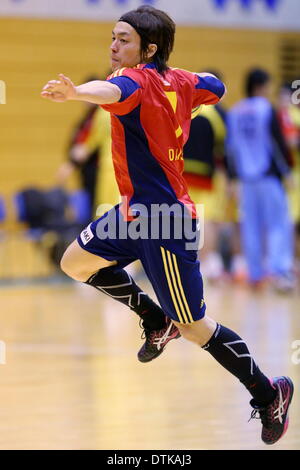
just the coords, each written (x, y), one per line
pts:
(233, 354)
(118, 284)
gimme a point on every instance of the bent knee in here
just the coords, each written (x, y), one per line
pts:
(71, 269)
(66, 266)
(80, 264)
(198, 332)
(187, 331)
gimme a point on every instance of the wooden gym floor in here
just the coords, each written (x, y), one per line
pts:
(72, 380)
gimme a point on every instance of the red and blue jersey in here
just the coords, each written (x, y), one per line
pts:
(150, 125)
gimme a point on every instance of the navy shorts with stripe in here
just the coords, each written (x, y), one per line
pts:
(173, 271)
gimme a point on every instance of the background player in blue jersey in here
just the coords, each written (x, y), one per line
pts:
(259, 158)
(151, 108)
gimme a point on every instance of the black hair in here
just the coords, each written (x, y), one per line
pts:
(256, 78)
(154, 27)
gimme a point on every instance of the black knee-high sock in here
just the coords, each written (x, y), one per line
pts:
(232, 353)
(119, 285)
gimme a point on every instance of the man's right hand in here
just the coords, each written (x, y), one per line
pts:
(59, 90)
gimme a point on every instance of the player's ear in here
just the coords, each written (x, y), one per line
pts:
(152, 48)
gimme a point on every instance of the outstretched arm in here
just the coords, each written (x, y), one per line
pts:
(98, 91)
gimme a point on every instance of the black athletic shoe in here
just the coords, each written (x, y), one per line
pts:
(156, 340)
(274, 417)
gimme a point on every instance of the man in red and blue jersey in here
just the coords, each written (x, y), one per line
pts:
(151, 106)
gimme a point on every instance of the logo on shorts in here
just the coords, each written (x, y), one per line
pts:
(86, 235)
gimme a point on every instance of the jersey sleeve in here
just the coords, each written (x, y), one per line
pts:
(208, 90)
(131, 92)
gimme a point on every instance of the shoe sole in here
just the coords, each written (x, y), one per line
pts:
(160, 351)
(154, 357)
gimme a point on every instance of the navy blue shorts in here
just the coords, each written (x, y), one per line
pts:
(168, 258)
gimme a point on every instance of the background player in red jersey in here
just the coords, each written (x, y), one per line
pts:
(151, 106)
